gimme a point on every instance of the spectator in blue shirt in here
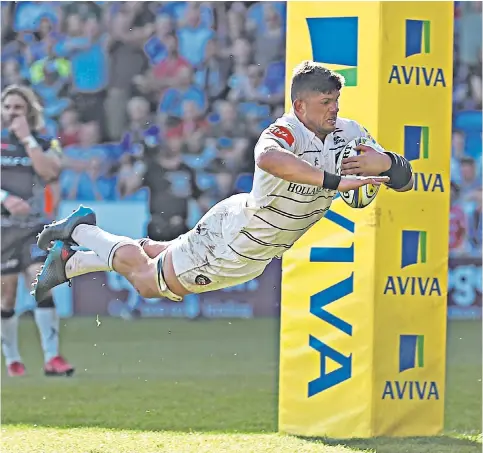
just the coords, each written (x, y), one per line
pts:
(256, 15)
(155, 47)
(85, 46)
(11, 73)
(213, 72)
(44, 36)
(173, 98)
(86, 165)
(194, 36)
(19, 49)
(29, 14)
(177, 10)
(141, 129)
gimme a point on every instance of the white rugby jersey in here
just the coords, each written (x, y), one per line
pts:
(267, 222)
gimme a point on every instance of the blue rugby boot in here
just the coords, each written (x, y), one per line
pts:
(52, 273)
(62, 230)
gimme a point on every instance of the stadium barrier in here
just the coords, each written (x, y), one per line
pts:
(364, 292)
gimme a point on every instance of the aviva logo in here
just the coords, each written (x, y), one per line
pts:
(416, 142)
(416, 147)
(413, 251)
(413, 247)
(343, 56)
(417, 42)
(411, 352)
(418, 38)
(411, 355)
(320, 307)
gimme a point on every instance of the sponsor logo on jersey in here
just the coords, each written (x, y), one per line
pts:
(301, 189)
(338, 140)
(283, 133)
(413, 253)
(341, 58)
(16, 161)
(8, 147)
(417, 42)
(411, 356)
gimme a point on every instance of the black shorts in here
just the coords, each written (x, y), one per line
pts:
(19, 249)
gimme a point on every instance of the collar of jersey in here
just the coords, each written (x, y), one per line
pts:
(291, 114)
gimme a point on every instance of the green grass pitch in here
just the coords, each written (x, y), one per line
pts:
(175, 386)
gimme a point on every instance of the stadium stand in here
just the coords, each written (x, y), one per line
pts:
(135, 88)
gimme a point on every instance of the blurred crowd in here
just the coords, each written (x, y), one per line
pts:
(466, 162)
(165, 96)
(169, 98)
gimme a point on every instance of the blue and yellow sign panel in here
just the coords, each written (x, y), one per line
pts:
(364, 291)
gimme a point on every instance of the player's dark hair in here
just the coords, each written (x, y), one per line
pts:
(34, 107)
(310, 76)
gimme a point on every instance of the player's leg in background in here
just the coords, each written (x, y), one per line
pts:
(48, 324)
(11, 267)
(9, 322)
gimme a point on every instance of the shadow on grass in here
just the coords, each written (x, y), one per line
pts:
(436, 444)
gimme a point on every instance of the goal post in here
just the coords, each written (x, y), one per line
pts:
(364, 292)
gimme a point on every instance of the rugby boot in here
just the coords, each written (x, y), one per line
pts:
(16, 369)
(58, 366)
(62, 230)
(52, 273)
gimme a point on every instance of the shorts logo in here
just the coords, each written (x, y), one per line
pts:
(282, 133)
(202, 280)
(343, 31)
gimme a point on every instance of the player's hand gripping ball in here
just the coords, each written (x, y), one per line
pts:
(363, 196)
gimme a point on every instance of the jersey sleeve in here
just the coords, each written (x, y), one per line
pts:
(277, 135)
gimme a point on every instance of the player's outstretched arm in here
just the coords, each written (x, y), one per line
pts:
(285, 165)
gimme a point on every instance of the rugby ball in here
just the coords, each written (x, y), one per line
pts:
(363, 196)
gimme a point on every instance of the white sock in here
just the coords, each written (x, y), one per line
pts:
(81, 263)
(103, 243)
(48, 324)
(10, 339)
